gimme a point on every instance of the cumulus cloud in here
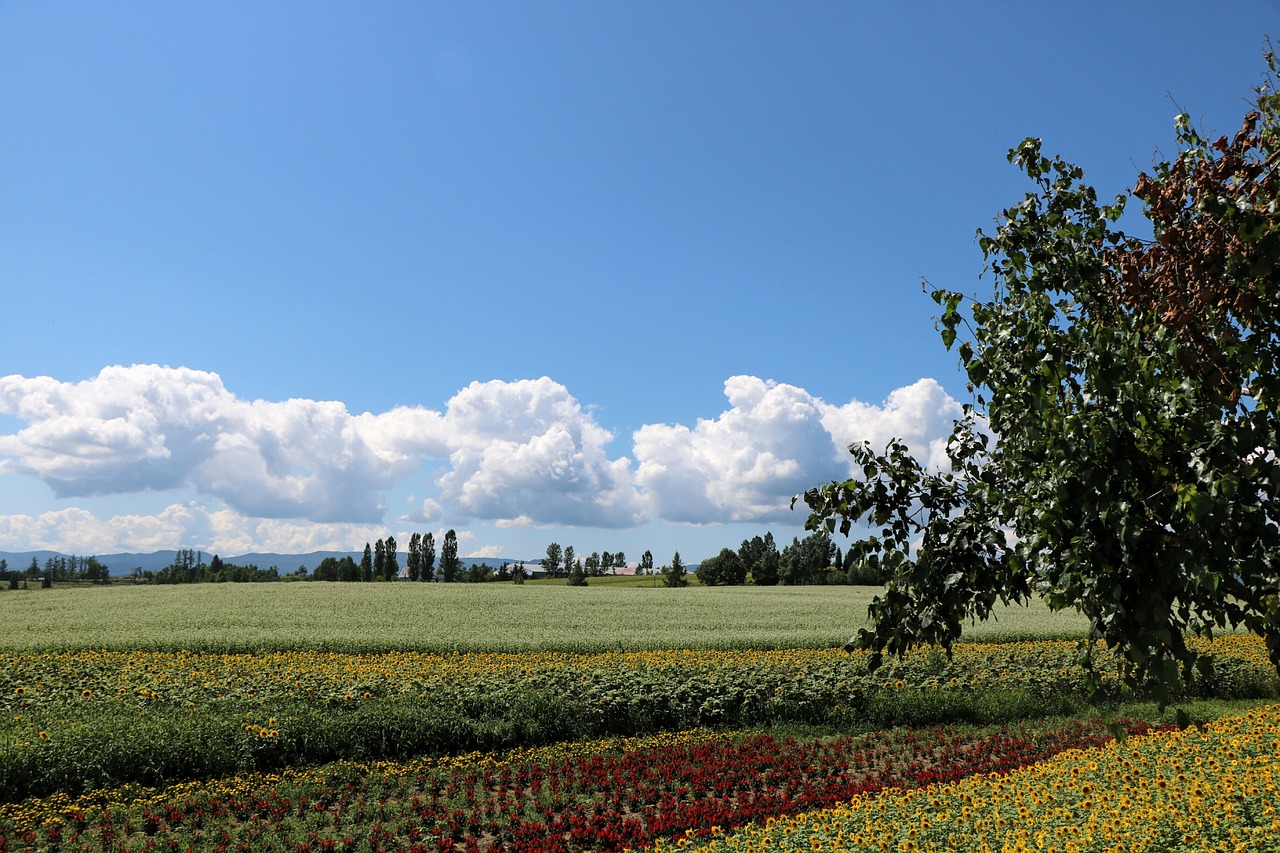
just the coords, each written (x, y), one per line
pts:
(147, 427)
(518, 454)
(774, 441)
(921, 414)
(527, 451)
(77, 531)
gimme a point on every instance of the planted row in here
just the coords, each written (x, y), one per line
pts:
(1210, 788)
(604, 796)
(146, 679)
(82, 720)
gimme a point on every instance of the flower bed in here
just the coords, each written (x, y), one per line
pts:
(1211, 788)
(604, 795)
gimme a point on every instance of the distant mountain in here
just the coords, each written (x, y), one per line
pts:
(124, 564)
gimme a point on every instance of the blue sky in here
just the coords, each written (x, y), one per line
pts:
(287, 276)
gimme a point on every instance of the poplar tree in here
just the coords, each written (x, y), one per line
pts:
(1119, 456)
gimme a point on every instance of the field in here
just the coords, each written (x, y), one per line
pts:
(327, 717)
(458, 617)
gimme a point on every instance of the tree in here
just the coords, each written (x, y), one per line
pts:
(646, 563)
(366, 564)
(1133, 388)
(724, 568)
(91, 569)
(413, 561)
(551, 562)
(569, 560)
(709, 571)
(577, 575)
(449, 562)
(768, 570)
(379, 560)
(674, 574)
(593, 564)
(619, 561)
(806, 561)
(391, 566)
(427, 558)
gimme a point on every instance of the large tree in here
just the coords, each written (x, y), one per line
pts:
(427, 557)
(366, 564)
(551, 562)
(391, 566)
(413, 561)
(674, 574)
(1119, 456)
(450, 565)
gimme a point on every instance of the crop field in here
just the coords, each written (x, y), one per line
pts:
(323, 717)
(458, 617)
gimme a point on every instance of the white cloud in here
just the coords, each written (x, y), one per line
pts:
(526, 450)
(147, 427)
(774, 441)
(310, 475)
(77, 531)
(921, 414)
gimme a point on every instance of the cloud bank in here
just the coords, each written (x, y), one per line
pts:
(304, 473)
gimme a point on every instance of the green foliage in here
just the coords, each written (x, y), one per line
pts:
(551, 562)
(427, 557)
(725, 568)
(674, 574)
(450, 565)
(1133, 389)
(363, 710)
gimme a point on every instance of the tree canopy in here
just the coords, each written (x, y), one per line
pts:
(1119, 455)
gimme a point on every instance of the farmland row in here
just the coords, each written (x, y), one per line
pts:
(602, 796)
(366, 618)
(76, 720)
(1203, 789)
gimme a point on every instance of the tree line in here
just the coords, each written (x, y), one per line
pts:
(56, 568)
(757, 561)
(814, 560)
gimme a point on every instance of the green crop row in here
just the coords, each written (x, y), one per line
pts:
(373, 618)
(84, 719)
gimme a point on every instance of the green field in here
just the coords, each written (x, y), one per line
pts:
(459, 617)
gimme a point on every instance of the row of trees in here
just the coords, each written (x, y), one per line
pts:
(56, 568)
(380, 562)
(564, 563)
(812, 560)
(189, 567)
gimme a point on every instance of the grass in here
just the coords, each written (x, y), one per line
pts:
(460, 617)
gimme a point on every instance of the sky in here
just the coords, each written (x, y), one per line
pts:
(296, 276)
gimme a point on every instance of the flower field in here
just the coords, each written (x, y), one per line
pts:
(338, 744)
(1204, 789)
(76, 720)
(606, 795)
